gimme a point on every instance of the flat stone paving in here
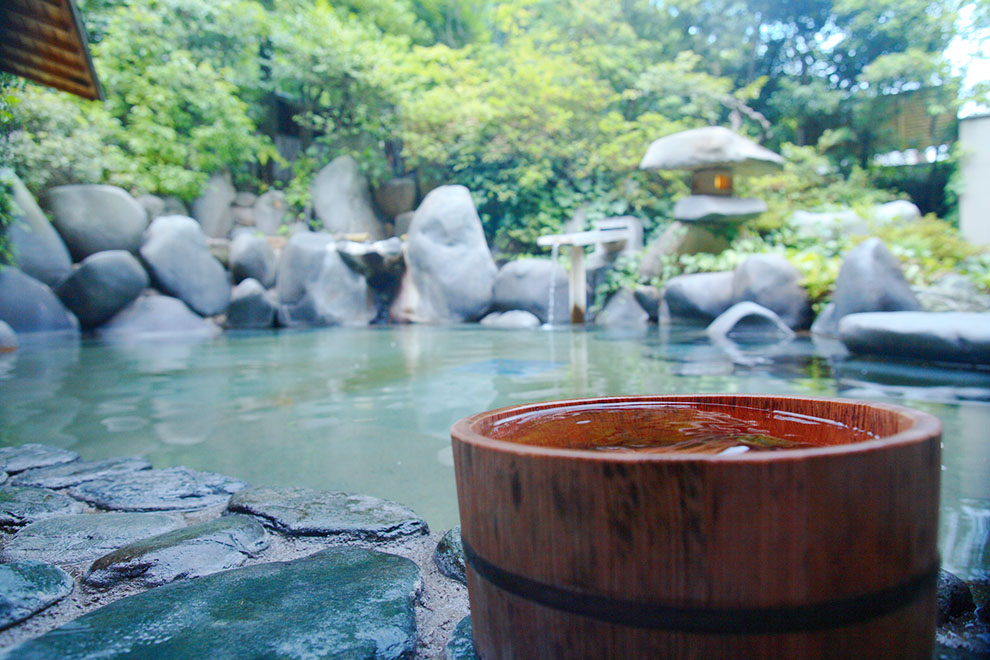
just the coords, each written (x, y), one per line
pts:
(117, 582)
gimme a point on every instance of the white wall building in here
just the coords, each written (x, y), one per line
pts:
(974, 198)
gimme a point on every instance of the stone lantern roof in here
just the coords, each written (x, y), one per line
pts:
(711, 147)
(714, 155)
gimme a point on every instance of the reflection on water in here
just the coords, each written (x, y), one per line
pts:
(369, 409)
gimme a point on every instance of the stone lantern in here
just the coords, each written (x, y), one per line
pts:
(715, 156)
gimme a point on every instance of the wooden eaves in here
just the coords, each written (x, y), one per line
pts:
(44, 41)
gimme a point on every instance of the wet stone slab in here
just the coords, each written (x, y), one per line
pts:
(194, 551)
(27, 587)
(84, 537)
(364, 608)
(305, 512)
(461, 644)
(171, 489)
(28, 456)
(22, 506)
(73, 474)
(449, 555)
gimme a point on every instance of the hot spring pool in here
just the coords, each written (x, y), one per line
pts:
(369, 409)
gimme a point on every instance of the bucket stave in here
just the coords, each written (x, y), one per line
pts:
(826, 552)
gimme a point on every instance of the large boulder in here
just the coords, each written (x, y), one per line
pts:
(527, 284)
(37, 248)
(512, 320)
(270, 212)
(181, 265)
(450, 273)
(945, 337)
(870, 280)
(212, 209)
(104, 284)
(27, 305)
(251, 307)
(771, 281)
(156, 317)
(252, 256)
(342, 200)
(396, 196)
(698, 297)
(94, 218)
(623, 310)
(8, 338)
(315, 287)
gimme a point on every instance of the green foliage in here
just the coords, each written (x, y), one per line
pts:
(9, 98)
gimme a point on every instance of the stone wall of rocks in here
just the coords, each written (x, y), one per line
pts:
(178, 563)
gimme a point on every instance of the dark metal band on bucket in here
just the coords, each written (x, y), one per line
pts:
(742, 621)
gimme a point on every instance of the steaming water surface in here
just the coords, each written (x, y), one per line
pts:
(369, 409)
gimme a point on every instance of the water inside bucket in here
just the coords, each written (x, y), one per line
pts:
(682, 428)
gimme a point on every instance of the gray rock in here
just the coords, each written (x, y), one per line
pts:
(461, 644)
(710, 147)
(316, 288)
(953, 596)
(449, 555)
(622, 310)
(837, 223)
(342, 200)
(27, 587)
(190, 552)
(27, 305)
(181, 265)
(771, 281)
(153, 205)
(525, 284)
(305, 512)
(29, 456)
(104, 284)
(945, 337)
(826, 323)
(402, 223)
(713, 208)
(870, 280)
(8, 338)
(171, 489)
(698, 296)
(748, 322)
(270, 212)
(381, 262)
(450, 274)
(252, 256)
(364, 608)
(648, 298)
(37, 248)
(156, 317)
(512, 320)
(22, 506)
(897, 211)
(72, 474)
(952, 293)
(243, 217)
(677, 239)
(212, 209)
(95, 218)
(396, 196)
(245, 199)
(251, 307)
(83, 537)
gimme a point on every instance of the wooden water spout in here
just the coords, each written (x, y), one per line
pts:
(576, 241)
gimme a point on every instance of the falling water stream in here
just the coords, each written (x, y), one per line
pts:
(554, 251)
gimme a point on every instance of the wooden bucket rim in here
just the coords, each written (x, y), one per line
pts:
(923, 426)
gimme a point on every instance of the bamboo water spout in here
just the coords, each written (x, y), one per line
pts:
(576, 241)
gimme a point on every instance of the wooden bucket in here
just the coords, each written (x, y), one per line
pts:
(827, 552)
